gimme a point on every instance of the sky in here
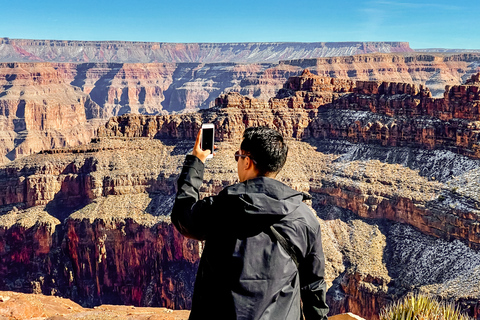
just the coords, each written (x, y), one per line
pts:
(422, 23)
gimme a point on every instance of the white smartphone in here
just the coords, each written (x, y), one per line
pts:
(208, 131)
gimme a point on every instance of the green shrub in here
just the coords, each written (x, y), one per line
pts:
(421, 307)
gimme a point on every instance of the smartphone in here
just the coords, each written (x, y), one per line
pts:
(208, 130)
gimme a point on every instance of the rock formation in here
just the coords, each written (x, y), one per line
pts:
(434, 70)
(89, 257)
(406, 115)
(39, 110)
(91, 222)
(23, 50)
(156, 87)
(159, 88)
(447, 50)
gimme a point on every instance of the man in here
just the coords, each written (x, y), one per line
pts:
(245, 272)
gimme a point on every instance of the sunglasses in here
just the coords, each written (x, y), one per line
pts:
(238, 155)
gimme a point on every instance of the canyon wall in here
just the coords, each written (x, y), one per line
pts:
(92, 222)
(91, 225)
(406, 115)
(24, 50)
(321, 108)
(433, 70)
(166, 87)
(40, 110)
(447, 50)
(110, 89)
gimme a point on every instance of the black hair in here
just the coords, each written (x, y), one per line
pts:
(267, 147)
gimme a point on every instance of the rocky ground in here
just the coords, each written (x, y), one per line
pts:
(20, 306)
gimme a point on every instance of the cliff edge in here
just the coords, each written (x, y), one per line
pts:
(23, 50)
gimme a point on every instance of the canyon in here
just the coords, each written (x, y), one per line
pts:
(393, 172)
(42, 102)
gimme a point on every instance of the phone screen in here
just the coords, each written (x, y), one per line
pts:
(207, 139)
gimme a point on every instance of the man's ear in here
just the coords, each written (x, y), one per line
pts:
(248, 163)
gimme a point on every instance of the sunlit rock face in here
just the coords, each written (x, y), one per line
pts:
(40, 110)
(50, 90)
(93, 226)
(14, 50)
(92, 222)
(153, 88)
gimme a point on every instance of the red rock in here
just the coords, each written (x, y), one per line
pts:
(40, 110)
(22, 306)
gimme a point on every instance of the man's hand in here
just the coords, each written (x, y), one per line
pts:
(198, 152)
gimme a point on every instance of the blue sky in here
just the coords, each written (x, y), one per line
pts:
(423, 23)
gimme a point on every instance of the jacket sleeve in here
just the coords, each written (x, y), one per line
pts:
(189, 215)
(312, 280)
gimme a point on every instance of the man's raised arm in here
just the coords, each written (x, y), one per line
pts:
(188, 214)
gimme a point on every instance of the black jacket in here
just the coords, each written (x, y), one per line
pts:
(244, 273)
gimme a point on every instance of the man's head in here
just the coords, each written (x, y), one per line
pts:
(263, 153)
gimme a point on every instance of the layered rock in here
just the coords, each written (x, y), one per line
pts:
(156, 87)
(39, 110)
(146, 52)
(315, 113)
(160, 88)
(389, 114)
(433, 70)
(397, 114)
(130, 261)
(371, 190)
(446, 50)
(91, 226)
(94, 219)
(384, 261)
(123, 88)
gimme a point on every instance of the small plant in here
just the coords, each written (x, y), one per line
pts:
(441, 198)
(454, 189)
(421, 307)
